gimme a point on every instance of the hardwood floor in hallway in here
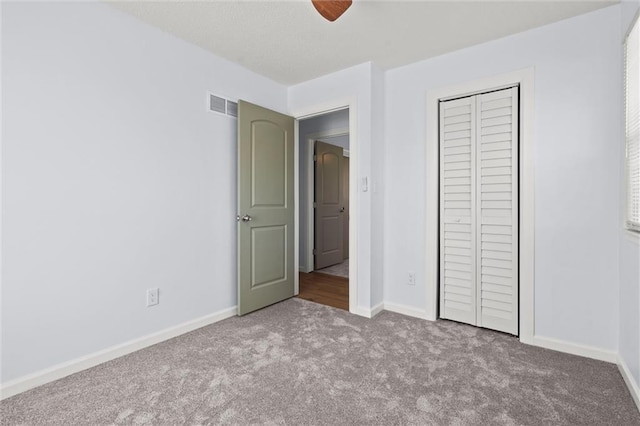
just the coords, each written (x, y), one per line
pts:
(325, 289)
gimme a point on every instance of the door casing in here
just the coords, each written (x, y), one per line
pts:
(313, 111)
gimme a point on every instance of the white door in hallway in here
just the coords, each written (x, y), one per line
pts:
(479, 210)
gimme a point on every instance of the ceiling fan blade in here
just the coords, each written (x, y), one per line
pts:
(331, 9)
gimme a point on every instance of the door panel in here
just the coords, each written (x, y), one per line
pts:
(268, 157)
(498, 209)
(329, 167)
(269, 246)
(457, 217)
(330, 233)
(265, 200)
(329, 205)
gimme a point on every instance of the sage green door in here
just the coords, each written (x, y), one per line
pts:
(265, 207)
(329, 205)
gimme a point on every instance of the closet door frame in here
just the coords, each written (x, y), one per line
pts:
(525, 80)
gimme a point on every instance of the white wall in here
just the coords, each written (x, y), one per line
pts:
(331, 122)
(115, 179)
(349, 85)
(629, 346)
(577, 111)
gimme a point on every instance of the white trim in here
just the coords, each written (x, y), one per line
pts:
(359, 310)
(311, 139)
(575, 349)
(377, 309)
(64, 369)
(407, 310)
(525, 78)
(329, 133)
(631, 383)
(320, 109)
(366, 312)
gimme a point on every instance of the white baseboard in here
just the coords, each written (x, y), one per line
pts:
(64, 369)
(407, 310)
(366, 312)
(377, 309)
(363, 312)
(575, 349)
(634, 389)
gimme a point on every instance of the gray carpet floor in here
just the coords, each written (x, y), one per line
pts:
(299, 363)
(340, 269)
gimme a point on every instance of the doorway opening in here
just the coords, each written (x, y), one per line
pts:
(324, 208)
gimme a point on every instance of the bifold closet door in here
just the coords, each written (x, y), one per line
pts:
(497, 207)
(479, 210)
(457, 212)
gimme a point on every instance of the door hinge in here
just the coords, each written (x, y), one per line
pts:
(315, 205)
(314, 252)
(315, 157)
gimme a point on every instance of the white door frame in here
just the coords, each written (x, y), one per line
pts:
(525, 79)
(311, 140)
(314, 111)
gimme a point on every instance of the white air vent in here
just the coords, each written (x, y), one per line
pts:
(221, 105)
(216, 104)
(232, 108)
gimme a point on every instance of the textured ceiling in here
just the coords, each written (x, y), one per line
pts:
(289, 42)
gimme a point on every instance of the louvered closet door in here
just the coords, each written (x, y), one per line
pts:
(497, 243)
(457, 215)
(479, 210)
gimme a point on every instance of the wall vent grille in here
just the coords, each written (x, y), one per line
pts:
(232, 108)
(217, 104)
(221, 105)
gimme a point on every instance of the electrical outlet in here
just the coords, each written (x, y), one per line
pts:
(412, 278)
(153, 296)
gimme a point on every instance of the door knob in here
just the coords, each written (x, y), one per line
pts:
(342, 210)
(246, 218)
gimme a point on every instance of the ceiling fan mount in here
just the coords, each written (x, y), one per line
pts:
(331, 9)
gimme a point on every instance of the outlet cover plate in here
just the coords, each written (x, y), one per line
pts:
(153, 296)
